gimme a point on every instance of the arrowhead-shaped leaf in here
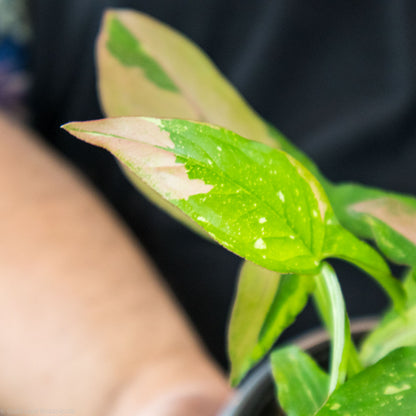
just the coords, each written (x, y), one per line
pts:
(146, 68)
(257, 201)
(386, 388)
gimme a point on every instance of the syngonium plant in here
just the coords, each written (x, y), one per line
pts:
(189, 141)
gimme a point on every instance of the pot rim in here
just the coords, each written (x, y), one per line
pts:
(257, 384)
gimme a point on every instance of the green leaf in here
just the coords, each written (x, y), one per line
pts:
(395, 329)
(289, 147)
(330, 302)
(257, 201)
(146, 68)
(409, 285)
(257, 288)
(302, 386)
(386, 388)
(388, 218)
(266, 304)
(141, 64)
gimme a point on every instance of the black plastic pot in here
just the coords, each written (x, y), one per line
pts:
(256, 396)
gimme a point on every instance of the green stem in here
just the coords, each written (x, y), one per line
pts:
(354, 363)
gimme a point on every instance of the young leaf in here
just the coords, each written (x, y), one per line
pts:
(330, 302)
(302, 386)
(388, 218)
(395, 329)
(266, 304)
(257, 287)
(257, 201)
(386, 388)
(399, 330)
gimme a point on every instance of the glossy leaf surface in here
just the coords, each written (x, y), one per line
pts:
(146, 68)
(386, 388)
(257, 201)
(302, 386)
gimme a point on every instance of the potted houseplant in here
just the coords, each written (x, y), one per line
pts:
(190, 142)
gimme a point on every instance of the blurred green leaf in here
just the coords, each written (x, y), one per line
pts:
(388, 218)
(302, 386)
(395, 329)
(386, 388)
(266, 304)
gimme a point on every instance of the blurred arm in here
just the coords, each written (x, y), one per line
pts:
(86, 324)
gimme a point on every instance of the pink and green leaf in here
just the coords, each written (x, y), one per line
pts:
(388, 218)
(257, 201)
(146, 68)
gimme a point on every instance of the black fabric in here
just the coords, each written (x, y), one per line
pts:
(337, 78)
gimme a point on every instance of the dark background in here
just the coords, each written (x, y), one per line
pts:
(338, 78)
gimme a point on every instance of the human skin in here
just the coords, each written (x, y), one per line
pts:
(86, 323)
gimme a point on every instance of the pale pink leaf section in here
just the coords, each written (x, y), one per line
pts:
(392, 212)
(135, 141)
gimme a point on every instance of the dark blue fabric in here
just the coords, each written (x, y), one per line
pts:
(13, 74)
(14, 38)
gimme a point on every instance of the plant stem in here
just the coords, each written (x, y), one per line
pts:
(354, 362)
